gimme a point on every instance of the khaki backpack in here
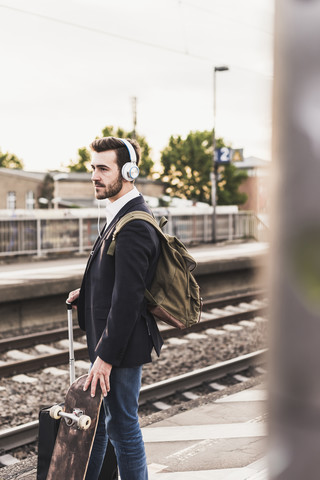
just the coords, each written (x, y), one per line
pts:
(174, 296)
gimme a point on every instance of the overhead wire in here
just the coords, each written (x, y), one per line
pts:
(124, 37)
(103, 32)
(183, 26)
(227, 17)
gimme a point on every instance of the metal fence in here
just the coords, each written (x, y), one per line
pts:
(40, 236)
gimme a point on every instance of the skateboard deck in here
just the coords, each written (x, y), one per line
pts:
(73, 446)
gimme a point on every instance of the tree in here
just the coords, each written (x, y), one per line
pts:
(82, 163)
(9, 160)
(187, 164)
(229, 180)
(46, 192)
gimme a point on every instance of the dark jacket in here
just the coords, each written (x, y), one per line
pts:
(111, 306)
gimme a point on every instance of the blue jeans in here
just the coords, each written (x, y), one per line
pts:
(119, 422)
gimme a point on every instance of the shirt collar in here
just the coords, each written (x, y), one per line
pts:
(112, 208)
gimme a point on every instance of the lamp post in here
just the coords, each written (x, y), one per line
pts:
(222, 68)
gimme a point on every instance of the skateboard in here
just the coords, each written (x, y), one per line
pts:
(79, 418)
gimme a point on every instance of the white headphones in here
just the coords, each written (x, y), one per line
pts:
(130, 170)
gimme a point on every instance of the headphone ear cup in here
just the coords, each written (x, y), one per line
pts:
(130, 171)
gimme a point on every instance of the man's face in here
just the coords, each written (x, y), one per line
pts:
(106, 177)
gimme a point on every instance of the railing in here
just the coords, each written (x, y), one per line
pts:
(197, 228)
(40, 236)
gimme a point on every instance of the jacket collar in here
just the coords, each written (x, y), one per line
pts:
(126, 208)
(113, 208)
(107, 230)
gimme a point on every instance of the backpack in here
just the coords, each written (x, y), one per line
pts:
(174, 296)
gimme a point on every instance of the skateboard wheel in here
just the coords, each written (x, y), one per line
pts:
(55, 411)
(84, 422)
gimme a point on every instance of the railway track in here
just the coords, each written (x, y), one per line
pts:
(28, 340)
(216, 313)
(24, 434)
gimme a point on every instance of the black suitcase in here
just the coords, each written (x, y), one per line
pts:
(48, 429)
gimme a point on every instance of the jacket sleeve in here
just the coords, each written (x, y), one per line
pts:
(135, 252)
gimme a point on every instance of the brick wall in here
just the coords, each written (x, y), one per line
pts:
(21, 186)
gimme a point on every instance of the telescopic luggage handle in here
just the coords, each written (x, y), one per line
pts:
(71, 349)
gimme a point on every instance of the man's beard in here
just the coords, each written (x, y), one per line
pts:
(110, 191)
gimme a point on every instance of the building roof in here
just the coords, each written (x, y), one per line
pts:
(252, 162)
(85, 176)
(76, 202)
(71, 176)
(22, 173)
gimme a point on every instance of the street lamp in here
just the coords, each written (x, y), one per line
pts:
(214, 175)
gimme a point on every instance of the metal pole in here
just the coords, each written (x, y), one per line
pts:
(214, 170)
(80, 226)
(214, 173)
(134, 113)
(38, 237)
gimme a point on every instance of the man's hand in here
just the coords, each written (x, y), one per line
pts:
(73, 296)
(100, 371)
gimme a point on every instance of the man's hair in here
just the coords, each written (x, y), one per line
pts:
(111, 143)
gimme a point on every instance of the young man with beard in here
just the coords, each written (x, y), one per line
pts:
(121, 333)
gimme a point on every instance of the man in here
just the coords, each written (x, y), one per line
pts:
(120, 331)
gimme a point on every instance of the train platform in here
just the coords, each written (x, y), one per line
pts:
(220, 440)
(34, 292)
(22, 272)
(220, 437)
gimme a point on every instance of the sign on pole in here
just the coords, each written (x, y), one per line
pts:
(237, 155)
(222, 155)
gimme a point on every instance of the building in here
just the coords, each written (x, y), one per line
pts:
(256, 186)
(19, 189)
(23, 190)
(72, 189)
(75, 189)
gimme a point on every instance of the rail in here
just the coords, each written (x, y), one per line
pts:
(56, 334)
(76, 233)
(81, 353)
(23, 434)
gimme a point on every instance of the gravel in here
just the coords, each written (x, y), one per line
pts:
(21, 402)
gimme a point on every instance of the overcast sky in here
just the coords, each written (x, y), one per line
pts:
(71, 67)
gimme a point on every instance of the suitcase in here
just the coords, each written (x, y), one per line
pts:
(48, 427)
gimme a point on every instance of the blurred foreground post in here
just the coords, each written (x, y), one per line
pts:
(295, 380)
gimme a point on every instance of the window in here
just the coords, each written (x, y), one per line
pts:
(11, 200)
(30, 200)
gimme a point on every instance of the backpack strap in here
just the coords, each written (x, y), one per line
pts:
(136, 215)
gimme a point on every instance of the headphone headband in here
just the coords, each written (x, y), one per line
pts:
(131, 150)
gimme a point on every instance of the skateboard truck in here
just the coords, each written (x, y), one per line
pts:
(76, 419)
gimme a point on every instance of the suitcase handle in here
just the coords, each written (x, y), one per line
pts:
(71, 349)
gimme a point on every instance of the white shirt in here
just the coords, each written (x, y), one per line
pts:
(112, 208)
